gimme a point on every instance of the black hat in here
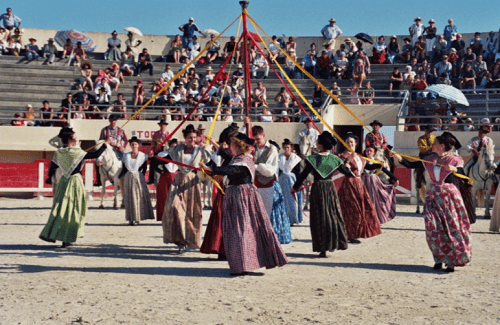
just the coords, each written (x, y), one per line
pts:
(162, 121)
(66, 131)
(243, 137)
(274, 143)
(376, 122)
(135, 139)
(447, 134)
(190, 127)
(114, 117)
(326, 140)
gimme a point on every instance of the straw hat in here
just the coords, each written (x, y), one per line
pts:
(332, 20)
(417, 19)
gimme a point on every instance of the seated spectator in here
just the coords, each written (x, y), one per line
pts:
(491, 48)
(420, 85)
(420, 110)
(209, 75)
(102, 100)
(414, 64)
(358, 74)
(237, 79)
(193, 89)
(16, 42)
(85, 102)
(454, 59)
(193, 48)
(354, 92)
(406, 51)
(409, 73)
(167, 74)
(62, 117)
(436, 122)
(440, 48)
(290, 69)
(4, 40)
(493, 76)
(93, 113)
(480, 68)
(468, 78)
(210, 108)
(260, 63)
(312, 48)
(86, 76)
(274, 49)
(335, 89)
(178, 96)
(396, 80)
(67, 49)
(114, 43)
(443, 79)
(366, 62)
(68, 102)
(459, 45)
(469, 125)
(468, 58)
(266, 116)
(31, 50)
(340, 67)
(120, 106)
(236, 102)
(46, 114)
(476, 43)
(229, 48)
(115, 76)
(392, 49)
(453, 127)
(309, 63)
(420, 48)
(213, 50)
(222, 75)
(79, 114)
(324, 65)
(206, 92)
(317, 96)
(176, 48)
(259, 95)
(425, 71)
(379, 51)
(350, 46)
(49, 51)
(17, 121)
(284, 118)
(368, 94)
(138, 96)
(104, 85)
(283, 98)
(192, 75)
(443, 67)
(226, 115)
(412, 118)
(128, 62)
(145, 62)
(79, 54)
(165, 115)
(29, 115)
(291, 44)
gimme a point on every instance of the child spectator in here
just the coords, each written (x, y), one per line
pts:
(138, 96)
(354, 91)
(358, 75)
(29, 115)
(368, 94)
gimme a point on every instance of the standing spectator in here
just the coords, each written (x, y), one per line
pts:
(368, 94)
(229, 48)
(133, 43)
(309, 63)
(430, 36)
(440, 48)
(49, 51)
(405, 54)
(380, 51)
(331, 32)
(67, 49)
(420, 49)
(324, 65)
(9, 20)
(468, 78)
(145, 62)
(260, 63)
(138, 93)
(46, 114)
(176, 48)
(491, 47)
(392, 49)
(114, 43)
(86, 76)
(274, 49)
(213, 51)
(450, 32)
(16, 42)
(416, 30)
(396, 80)
(188, 30)
(31, 50)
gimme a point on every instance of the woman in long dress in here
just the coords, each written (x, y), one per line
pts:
(383, 195)
(249, 240)
(326, 220)
(289, 169)
(182, 218)
(135, 189)
(359, 213)
(495, 211)
(447, 226)
(69, 210)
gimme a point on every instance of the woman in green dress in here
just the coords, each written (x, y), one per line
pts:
(69, 209)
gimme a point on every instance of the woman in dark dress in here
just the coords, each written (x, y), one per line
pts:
(326, 221)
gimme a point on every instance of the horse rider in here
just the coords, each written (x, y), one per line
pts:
(310, 132)
(379, 140)
(424, 143)
(116, 138)
(476, 144)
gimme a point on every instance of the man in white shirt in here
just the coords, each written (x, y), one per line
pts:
(331, 32)
(274, 49)
(309, 134)
(260, 63)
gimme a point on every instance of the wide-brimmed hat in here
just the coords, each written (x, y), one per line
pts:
(209, 68)
(484, 128)
(32, 38)
(431, 21)
(86, 62)
(135, 139)
(332, 20)
(376, 122)
(394, 36)
(348, 40)
(191, 19)
(417, 19)
(243, 137)
(162, 122)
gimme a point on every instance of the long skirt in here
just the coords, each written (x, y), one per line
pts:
(69, 210)
(114, 54)
(267, 194)
(495, 213)
(286, 181)
(213, 242)
(360, 216)
(162, 189)
(136, 197)
(182, 219)
(249, 239)
(447, 227)
(279, 217)
(383, 197)
(328, 231)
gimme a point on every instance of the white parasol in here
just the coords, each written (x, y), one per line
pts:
(133, 30)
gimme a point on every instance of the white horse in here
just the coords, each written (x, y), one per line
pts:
(110, 168)
(379, 155)
(483, 175)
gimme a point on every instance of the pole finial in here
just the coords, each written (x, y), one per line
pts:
(244, 4)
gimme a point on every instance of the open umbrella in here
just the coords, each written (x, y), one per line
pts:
(364, 37)
(254, 36)
(211, 32)
(75, 36)
(449, 92)
(133, 30)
